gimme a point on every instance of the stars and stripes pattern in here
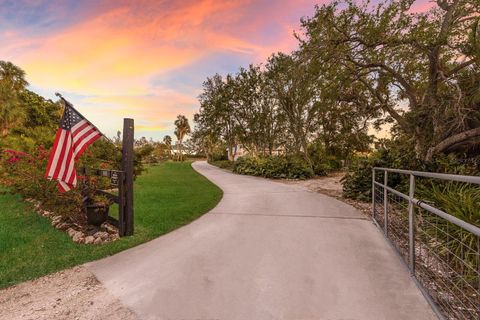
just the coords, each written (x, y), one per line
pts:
(73, 137)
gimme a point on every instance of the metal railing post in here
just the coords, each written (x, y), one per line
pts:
(373, 193)
(411, 225)
(385, 202)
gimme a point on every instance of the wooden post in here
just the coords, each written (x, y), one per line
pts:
(121, 203)
(127, 167)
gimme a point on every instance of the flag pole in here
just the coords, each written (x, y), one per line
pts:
(71, 106)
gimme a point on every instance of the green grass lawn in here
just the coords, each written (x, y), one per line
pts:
(167, 196)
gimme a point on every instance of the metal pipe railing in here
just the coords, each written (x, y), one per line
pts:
(434, 175)
(460, 223)
(430, 248)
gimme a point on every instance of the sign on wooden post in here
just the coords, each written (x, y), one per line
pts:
(123, 180)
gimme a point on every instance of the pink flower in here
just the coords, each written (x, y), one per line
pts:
(16, 156)
(10, 151)
(13, 159)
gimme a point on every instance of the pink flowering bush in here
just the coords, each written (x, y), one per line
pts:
(25, 174)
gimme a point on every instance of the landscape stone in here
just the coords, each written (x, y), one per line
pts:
(101, 234)
(89, 239)
(71, 232)
(56, 220)
(109, 228)
(89, 234)
(78, 237)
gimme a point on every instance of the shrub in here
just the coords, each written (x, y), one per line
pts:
(277, 167)
(357, 183)
(24, 174)
(219, 156)
(247, 165)
(223, 164)
(321, 169)
(462, 201)
(396, 153)
(323, 163)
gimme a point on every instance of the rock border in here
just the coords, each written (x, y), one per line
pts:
(84, 234)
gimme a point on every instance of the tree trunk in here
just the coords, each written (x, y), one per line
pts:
(4, 132)
(232, 149)
(230, 152)
(420, 143)
(305, 153)
(179, 151)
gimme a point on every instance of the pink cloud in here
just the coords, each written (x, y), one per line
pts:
(112, 54)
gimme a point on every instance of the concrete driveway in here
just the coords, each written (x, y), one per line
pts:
(267, 251)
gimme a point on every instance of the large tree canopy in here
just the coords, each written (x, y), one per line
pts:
(26, 119)
(412, 66)
(359, 64)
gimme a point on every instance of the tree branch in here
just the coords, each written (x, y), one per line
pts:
(459, 68)
(450, 141)
(393, 113)
(408, 88)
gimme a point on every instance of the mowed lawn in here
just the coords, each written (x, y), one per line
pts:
(167, 196)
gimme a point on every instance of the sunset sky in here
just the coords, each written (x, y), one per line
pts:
(142, 59)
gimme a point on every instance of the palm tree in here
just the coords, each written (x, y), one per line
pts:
(181, 130)
(12, 76)
(167, 140)
(12, 84)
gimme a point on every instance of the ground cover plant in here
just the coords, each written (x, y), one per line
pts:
(167, 196)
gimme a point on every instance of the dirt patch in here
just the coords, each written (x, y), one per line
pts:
(331, 185)
(69, 294)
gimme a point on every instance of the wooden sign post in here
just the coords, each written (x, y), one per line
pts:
(127, 168)
(123, 180)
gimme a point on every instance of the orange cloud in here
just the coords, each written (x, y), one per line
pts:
(150, 127)
(107, 62)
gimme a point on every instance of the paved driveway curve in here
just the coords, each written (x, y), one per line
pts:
(267, 251)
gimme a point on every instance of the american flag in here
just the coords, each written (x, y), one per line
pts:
(73, 137)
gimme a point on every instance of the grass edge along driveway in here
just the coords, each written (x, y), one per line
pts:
(167, 197)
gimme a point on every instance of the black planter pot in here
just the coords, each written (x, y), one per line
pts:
(97, 213)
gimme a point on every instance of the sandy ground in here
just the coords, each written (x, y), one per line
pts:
(331, 186)
(73, 294)
(330, 183)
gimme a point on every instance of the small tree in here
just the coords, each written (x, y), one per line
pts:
(182, 128)
(167, 140)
